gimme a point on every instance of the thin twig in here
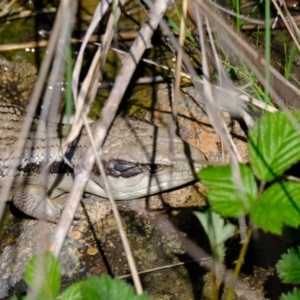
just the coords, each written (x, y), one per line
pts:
(124, 239)
(52, 95)
(177, 77)
(287, 25)
(128, 35)
(217, 122)
(90, 83)
(31, 108)
(107, 116)
(29, 13)
(170, 266)
(92, 79)
(99, 13)
(5, 9)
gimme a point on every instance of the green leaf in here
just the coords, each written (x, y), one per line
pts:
(104, 288)
(279, 205)
(217, 231)
(274, 145)
(43, 272)
(227, 196)
(288, 267)
(294, 295)
(73, 292)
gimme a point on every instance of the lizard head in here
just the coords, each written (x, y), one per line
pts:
(137, 161)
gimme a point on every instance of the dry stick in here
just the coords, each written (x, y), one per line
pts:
(124, 239)
(89, 81)
(107, 116)
(50, 106)
(234, 14)
(219, 125)
(228, 102)
(219, 66)
(100, 58)
(220, 74)
(31, 108)
(29, 13)
(170, 266)
(99, 12)
(217, 122)
(288, 27)
(256, 24)
(236, 172)
(35, 44)
(50, 98)
(280, 24)
(106, 41)
(52, 95)
(128, 35)
(178, 77)
(293, 21)
(190, 248)
(5, 10)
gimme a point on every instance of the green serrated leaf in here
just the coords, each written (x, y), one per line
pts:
(294, 295)
(42, 272)
(73, 292)
(279, 205)
(216, 230)
(227, 196)
(274, 145)
(112, 289)
(104, 288)
(288, 267)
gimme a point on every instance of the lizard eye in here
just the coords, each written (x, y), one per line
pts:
(154, 168)
(119, 168)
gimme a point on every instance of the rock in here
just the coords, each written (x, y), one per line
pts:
(16, 81)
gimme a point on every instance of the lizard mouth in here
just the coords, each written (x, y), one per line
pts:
(114, 168)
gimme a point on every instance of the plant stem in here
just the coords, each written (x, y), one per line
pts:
(238, 265)
(267, 48)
